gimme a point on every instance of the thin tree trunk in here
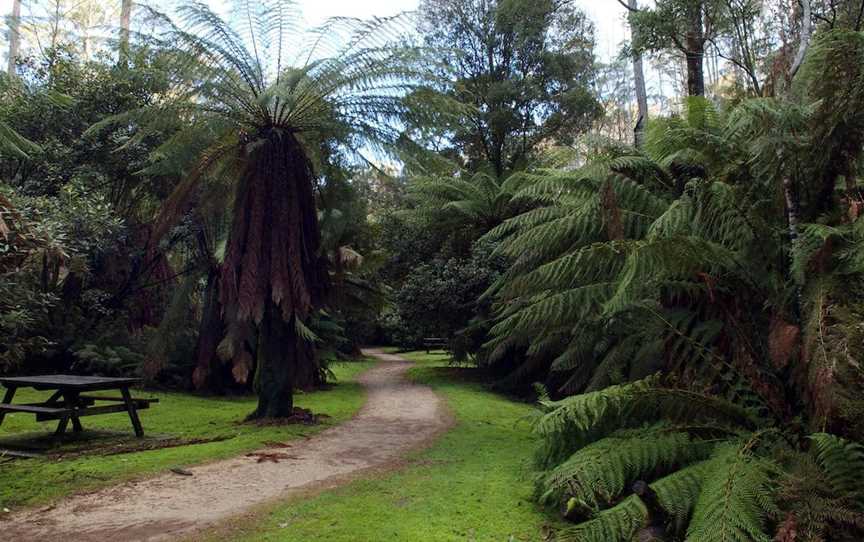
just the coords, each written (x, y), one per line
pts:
(14, 36)
(788, 189)
(804, 40)
(792, 225)
(639, 84)
(695, 53)
(125, 25)
(209, 371)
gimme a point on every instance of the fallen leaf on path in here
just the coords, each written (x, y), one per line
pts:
(272, 457)
(274, 444)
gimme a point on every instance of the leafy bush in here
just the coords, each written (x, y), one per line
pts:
(441, 298)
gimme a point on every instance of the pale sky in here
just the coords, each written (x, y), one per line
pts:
(606, 14)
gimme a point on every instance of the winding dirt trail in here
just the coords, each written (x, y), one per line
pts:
(398, 416)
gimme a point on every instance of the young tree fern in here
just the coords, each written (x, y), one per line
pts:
(263, 102)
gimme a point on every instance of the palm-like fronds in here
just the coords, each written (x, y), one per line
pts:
(668, 262)
(13, 144)
(699, 453)
(263, 104)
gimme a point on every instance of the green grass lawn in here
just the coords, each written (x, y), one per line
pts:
(176, 416)
(471, 485)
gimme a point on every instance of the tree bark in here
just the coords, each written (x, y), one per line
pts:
(14, 36)
(639, 84)
(125, 25)
(280, 352)
(804, 40)
(792, 228)
(209, 371)
(695, 52)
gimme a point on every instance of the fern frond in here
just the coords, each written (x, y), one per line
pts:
(732, 504)
(843, 464)
(598, 474)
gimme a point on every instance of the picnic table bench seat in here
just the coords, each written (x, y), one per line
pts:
(35, 409)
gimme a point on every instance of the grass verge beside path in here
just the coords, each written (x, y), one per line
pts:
(176, 416)
(471, 485)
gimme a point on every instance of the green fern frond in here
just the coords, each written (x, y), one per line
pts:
(843, 464)
(677, 493)
(732, 505)
(598, 474)
(576, 421)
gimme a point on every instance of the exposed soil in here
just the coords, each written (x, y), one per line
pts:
(398, 417)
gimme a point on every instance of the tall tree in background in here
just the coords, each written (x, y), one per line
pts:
(679, 25)
(638, 82)
(125, 22)
(14, 36)
(258, 122)
(523, 68)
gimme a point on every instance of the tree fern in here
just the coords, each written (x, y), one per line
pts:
(598, 474)
(267, 105)
(733, 504)
(843, 464)
(677, 493)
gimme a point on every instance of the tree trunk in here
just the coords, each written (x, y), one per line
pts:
(804, 40)
(209, 371)
(14, 36)
(125, 25)
(792, 228)
(695, 53)
(280, 352)
(639, 85)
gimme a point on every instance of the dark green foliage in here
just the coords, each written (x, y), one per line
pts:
(440, 299)
(521, 71)
(694, 260)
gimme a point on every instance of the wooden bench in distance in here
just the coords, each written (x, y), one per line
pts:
(431, 343)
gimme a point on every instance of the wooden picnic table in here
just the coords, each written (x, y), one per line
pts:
(71, 400)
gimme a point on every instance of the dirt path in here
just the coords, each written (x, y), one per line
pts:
(398, 416)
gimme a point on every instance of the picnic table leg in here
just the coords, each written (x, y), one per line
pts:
(55, 398)
(133, 412)
(61, 426)
(72, 402)
(7, 398)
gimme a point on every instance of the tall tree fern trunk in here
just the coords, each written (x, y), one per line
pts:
(273, 274)
(281, 352)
